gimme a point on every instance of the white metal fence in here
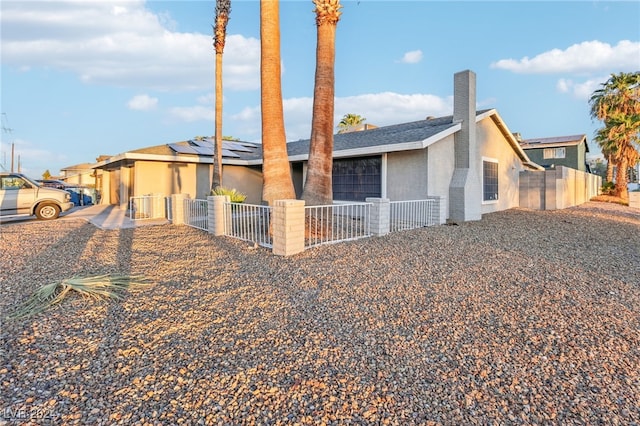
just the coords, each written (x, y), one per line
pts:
(196, 213)
(248, 222)
(404, 215)
(147, 207)
(335, 223)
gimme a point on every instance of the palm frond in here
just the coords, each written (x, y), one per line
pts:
(98, 287)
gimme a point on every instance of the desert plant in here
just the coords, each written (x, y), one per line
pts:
(97, 287)
(608, 188)
(234, 195)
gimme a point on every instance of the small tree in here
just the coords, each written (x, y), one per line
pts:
(349, 122)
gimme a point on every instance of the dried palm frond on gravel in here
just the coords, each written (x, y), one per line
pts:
(98, 287)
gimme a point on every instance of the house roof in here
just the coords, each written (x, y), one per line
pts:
(398, 137)
(555, 142)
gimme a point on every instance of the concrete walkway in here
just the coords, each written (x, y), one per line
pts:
(109, 217)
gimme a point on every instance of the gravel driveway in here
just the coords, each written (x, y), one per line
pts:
(522, 318)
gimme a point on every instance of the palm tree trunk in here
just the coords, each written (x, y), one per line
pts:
(621, 177)
(318, 188)
(609, 176)
(276, 169)
(217, 161)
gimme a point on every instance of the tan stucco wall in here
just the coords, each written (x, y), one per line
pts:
(155, 177)
(493, 145)
(407, 176)
(244, 179)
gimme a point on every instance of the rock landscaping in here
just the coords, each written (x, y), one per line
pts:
(524, 317)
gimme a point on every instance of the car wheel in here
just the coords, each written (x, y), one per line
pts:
(47, 211)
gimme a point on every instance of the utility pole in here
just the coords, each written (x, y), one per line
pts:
(7, 129)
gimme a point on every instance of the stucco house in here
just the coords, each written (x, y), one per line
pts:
(470, 159)
(569, 151)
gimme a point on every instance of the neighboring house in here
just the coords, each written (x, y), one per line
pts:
(569, 151)
(470, 159)
(79, 174)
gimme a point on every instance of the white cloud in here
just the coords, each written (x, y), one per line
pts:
(142, 103)
(412, 57)
(585, 57)
(193, 113)
(380, 109)
(95, 41)
(582, 90)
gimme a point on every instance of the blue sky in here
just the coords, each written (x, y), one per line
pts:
(85, 78)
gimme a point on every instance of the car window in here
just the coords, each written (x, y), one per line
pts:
(13, 182)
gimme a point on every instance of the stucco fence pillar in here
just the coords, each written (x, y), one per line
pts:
(380, 218)
(438, 210)
(215, 213)
(177, 208)
(287, 222)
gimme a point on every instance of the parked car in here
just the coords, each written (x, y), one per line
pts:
(22, 195)
(80, 195)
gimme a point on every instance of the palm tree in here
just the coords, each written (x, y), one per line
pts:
(223, 9)
(318, 188)
(349, 122)
(608, 150)
(617, 104)
(276, 169)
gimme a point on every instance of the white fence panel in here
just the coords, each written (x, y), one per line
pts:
(147, 207)
(334, 223)
(196, 213)
(248, 222)
(406, 215)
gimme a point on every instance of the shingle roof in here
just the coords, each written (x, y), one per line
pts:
(414, 131)
(555, 141)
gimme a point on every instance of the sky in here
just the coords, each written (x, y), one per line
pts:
(85, 78)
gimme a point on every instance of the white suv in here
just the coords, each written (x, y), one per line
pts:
(21, 195)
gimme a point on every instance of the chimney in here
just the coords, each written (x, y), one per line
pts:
(465, 189)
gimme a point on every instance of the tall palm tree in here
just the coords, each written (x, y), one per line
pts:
(318, 188)
(276, 170)
(617, 104)
(349, 122)
(223, 9)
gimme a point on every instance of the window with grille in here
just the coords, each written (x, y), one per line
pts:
(490, 180)
(554, 153)
(355, 179)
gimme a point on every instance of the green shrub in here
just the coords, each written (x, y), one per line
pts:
(234, 196)
(608, 188)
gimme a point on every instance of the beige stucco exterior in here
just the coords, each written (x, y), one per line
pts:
(493, 147)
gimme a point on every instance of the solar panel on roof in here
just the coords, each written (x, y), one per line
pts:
(202, 143)
(203, 150)
(233, 146)
(182, 149)
(227, 153)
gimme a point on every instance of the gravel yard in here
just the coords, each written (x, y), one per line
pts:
(522, 318)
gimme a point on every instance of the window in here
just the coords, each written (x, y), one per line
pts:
(355, 179)
(554, 153)
(13, 182)
(489, 180)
